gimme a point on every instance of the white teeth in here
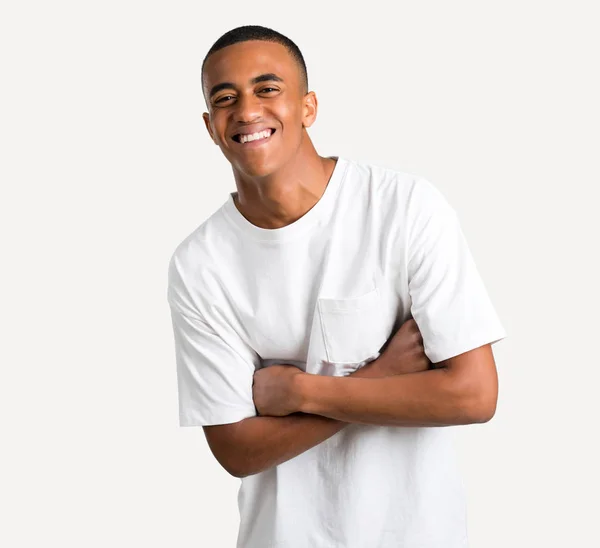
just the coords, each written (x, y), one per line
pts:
(254, 136)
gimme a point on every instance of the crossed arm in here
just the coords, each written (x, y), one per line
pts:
(304, 410)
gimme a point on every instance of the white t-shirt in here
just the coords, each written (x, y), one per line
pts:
(324, 294)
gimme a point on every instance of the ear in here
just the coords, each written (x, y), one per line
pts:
(309, 109)
(206, 118)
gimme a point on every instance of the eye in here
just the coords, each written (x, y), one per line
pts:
(268, 90)
(224, 98)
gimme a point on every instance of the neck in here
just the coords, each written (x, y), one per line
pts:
(279, 199)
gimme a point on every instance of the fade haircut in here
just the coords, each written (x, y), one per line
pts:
(256, 32)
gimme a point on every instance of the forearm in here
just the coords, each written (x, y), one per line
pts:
(266, 441)
(428, 398)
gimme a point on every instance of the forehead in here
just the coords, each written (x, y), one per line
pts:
(240, 62)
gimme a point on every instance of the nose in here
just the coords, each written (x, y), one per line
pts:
(248, 108)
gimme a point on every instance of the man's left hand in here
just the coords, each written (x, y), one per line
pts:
(274, 392)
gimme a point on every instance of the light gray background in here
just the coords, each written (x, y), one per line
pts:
(106, 166)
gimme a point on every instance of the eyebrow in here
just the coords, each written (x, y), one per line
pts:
(268, 77)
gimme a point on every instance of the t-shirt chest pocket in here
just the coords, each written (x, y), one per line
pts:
(353, 329)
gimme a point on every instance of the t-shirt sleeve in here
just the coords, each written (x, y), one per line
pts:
(214, 369)
(449, 301)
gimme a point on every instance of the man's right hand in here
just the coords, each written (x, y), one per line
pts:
(404, 352)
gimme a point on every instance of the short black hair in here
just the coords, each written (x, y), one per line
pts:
(256, 32)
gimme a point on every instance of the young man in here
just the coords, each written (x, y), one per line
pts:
(285, 306)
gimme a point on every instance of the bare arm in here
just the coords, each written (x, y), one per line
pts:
(255, 444)
(464, 391)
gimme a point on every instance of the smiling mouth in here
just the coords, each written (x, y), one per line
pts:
(251, 138)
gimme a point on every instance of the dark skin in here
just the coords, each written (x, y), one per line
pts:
(279, 181)
(254, 86)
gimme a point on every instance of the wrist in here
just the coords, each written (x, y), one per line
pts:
(373, 369)
(309, 388)
(301, 391)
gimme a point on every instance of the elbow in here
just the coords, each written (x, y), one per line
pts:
(240, 473)
(475, 384)
(480, 407)
(483, 411)
(241, 468)
(478, 401)
(244, 467)
(226, 458)
(235, 469)
(230, 448)
(236, 473)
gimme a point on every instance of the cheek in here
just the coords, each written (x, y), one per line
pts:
(290, 117)
(218, 127)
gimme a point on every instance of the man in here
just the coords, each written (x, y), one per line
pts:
(285, 306)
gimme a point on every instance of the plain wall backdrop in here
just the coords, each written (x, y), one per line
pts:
(106, 165)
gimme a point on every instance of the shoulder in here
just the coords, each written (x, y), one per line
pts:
(188, 253)
(192, 264)
(386, 178)
(377, 174)
(397, 188)
(201, 243)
